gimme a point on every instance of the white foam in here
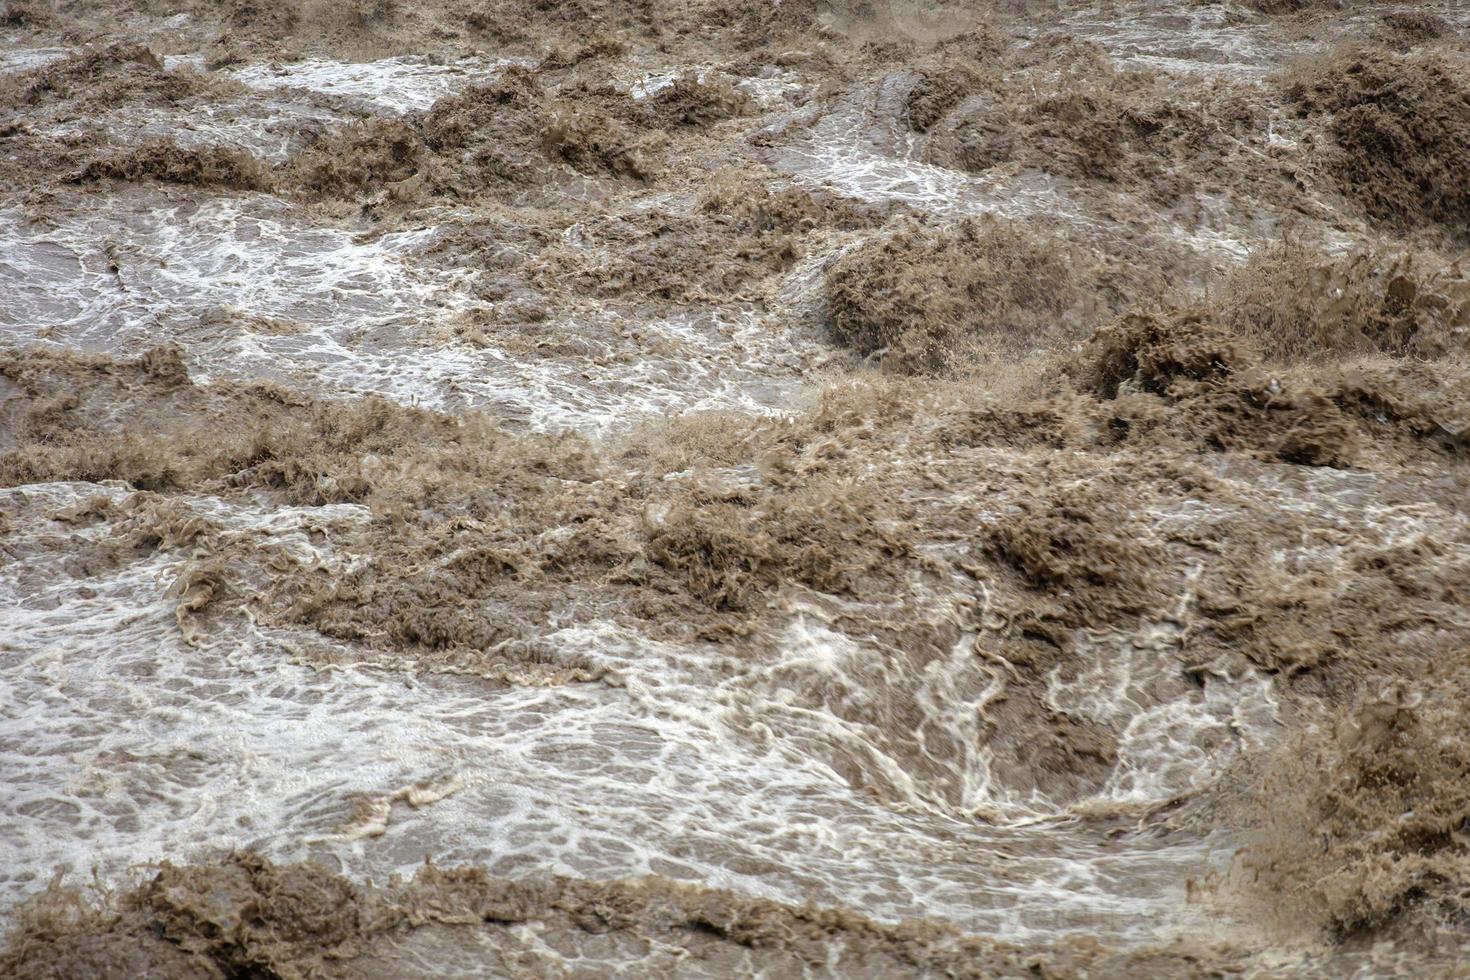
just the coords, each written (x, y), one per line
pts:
(862, 150)
(24, 59)
(392, 85)
(652, 83)
(819, 766)
(268, 129)
(123, 744)
(770, 90)
(355, 316)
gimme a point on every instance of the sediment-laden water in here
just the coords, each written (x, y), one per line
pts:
(733, 488)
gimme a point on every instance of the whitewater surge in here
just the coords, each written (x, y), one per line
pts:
(785, 606)
(128, 745)
(250, 289)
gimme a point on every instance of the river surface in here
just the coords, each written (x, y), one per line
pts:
(780, 769)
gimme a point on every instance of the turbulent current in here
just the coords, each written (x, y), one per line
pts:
(734, 488)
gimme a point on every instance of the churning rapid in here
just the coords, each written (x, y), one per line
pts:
(709, 488)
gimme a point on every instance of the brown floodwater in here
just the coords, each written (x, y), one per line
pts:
(775, 490)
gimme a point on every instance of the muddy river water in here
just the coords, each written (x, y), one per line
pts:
(819, 754)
